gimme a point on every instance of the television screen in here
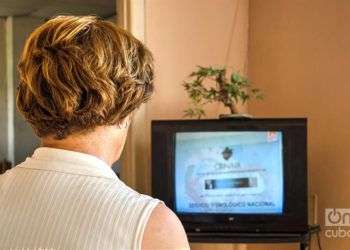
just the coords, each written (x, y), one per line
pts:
(238, 172)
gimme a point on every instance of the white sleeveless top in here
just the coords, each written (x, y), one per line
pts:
(59, 199)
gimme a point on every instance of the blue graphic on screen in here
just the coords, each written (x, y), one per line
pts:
(229, 172)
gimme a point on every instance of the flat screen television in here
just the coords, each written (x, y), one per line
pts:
(233, 175)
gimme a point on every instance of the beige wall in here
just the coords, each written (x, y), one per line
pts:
(183, 34)
(299, 54)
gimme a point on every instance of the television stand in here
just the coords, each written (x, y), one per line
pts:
(303, 239)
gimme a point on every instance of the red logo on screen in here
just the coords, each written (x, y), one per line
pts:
(271, 136)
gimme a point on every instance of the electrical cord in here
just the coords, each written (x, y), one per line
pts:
(315, 229)
(318, 240)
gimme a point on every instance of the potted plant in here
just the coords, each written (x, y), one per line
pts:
(210, 84)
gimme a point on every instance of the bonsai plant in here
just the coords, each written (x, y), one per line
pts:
(210, 84)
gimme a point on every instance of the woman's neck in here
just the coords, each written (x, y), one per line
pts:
(106, 143)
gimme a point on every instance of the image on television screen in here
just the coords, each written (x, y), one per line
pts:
(229, 172)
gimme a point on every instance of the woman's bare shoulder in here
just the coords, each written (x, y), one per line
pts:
(164, 231)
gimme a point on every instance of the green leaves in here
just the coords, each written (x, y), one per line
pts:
(206, 71)
(239, 80)
(257, 94)
(227, 91)
(194, 112)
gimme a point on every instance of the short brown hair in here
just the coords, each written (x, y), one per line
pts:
(77, 73)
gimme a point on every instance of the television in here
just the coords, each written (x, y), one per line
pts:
(233, 175)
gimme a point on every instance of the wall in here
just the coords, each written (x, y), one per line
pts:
(299, 55)
(17, 139)
(25, 141)
(3, 92)
(182, 34)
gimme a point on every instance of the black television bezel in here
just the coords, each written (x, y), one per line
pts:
(295, 211)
